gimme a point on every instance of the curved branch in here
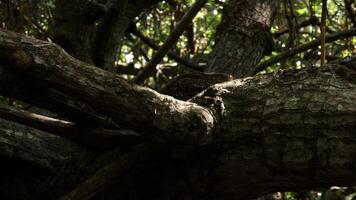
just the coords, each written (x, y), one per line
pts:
(96, 137)
(112, 27)
(35, 147)
(88, 95)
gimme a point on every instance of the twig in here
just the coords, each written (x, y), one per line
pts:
(351, 13)
(170, 54)
(36, 25)
(311, 45)
(310, 21)
(144, 54)
(322, 33)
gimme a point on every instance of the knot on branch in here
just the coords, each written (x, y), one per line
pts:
(187, 86)
(211, 99)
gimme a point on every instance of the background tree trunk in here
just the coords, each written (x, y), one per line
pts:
(242, 37)
(92, 32)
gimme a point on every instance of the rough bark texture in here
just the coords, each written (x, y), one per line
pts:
(91, 96)
(31, 158)
(96, 137)
(291, 130)
(242, 37)
(236, 140)
(188, 85)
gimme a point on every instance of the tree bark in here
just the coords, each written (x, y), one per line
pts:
(74, 21)
(288, 131)
(93, 97)
(75, 29)
(243, 37)
(30, 160)
(97, 137)
(236, 140)
(111, 29)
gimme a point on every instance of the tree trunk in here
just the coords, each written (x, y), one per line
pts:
(111, 29)
(236, 140)
(92, 32)
(243, 37)
(73, 23)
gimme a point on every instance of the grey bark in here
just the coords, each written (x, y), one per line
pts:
(243, 37)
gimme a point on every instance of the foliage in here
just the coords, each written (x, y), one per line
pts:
(297, 12)
(34, 17)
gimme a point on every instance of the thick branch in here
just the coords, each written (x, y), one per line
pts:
(105, 176)
(92, 136)
(112, 27)
(243, 37)
(35, 147)
(38, 165)
(287, 131)
(350, 11)
(88, 95)
(108, 35)
(73, 23)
